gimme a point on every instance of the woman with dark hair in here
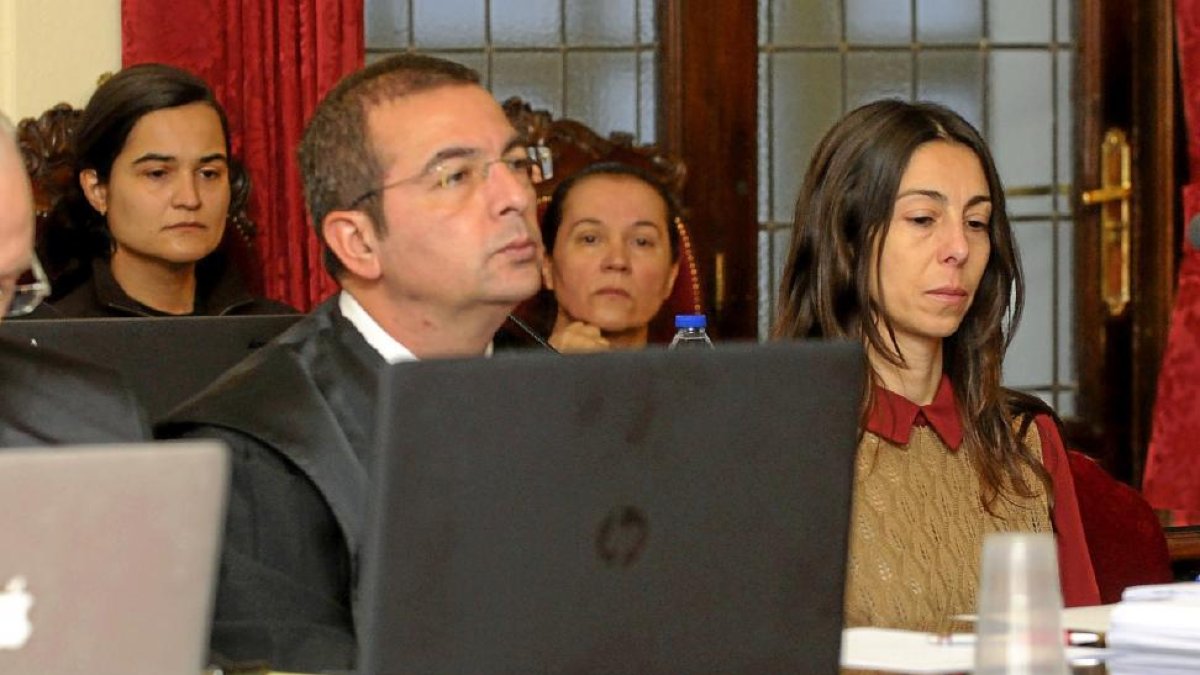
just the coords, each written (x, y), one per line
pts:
(612, 255)
(901, 241)
(139, 234)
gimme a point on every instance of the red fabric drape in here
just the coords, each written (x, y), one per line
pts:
(1172, 479)
(269, 62)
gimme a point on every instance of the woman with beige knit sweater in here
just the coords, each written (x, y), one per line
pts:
(901, 240)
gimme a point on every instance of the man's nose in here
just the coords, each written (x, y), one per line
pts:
(511, 189)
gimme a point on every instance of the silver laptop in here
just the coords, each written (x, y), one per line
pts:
(108, 556)
(652, 512)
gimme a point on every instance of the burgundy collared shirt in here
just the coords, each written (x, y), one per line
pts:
(892, 417)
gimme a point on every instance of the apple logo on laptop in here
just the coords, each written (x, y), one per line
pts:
(15, 602)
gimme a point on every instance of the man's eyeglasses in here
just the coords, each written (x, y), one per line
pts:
(454, 179)
(27, 292)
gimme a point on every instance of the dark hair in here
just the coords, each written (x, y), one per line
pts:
(124, 99)
(99, 135)
(843, 214)
(552, 218)
(337, 160)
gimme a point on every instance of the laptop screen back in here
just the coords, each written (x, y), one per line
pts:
(109, 556)
(650, 512)
(164, 360)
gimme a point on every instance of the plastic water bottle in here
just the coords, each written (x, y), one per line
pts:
(690, 332)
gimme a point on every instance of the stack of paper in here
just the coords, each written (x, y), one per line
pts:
(1156, 629)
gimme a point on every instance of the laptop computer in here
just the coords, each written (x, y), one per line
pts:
(108, 557)
(164, 360)
(636, 512)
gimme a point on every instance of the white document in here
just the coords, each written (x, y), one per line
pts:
(1094, 619)
(903, 651)
(1183, 590)
(906, 651)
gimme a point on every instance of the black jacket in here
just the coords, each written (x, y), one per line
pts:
(50, 399)
(299, 418)
(220, 291)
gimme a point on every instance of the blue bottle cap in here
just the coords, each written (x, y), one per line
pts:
(690, 321)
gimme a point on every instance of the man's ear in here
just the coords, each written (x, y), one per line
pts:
(548, 272)
(351, 236)
(95, 191)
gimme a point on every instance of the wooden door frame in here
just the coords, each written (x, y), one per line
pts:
(1125, 75)
(709, 118)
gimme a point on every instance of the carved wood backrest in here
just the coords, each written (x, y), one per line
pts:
(45, 143)
(575, 146)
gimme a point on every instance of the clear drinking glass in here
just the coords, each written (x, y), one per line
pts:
(1020, 607)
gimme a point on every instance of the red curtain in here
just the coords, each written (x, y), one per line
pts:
(269, 62)
(1172, 479)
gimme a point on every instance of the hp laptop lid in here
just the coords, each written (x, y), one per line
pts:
(164, 360)
(649, 512)
(108, 557)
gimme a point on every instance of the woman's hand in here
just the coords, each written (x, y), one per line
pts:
(579, 337)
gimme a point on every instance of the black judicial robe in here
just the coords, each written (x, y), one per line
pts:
(298, 416)
(48, 398)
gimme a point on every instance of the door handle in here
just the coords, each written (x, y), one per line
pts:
(1113, 198)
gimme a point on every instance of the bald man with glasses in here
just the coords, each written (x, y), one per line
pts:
(47, 398)
(423, 196)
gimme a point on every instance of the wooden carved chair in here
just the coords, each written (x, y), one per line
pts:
(575, 146)
(45, 143)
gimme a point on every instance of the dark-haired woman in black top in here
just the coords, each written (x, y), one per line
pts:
(139, 234)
